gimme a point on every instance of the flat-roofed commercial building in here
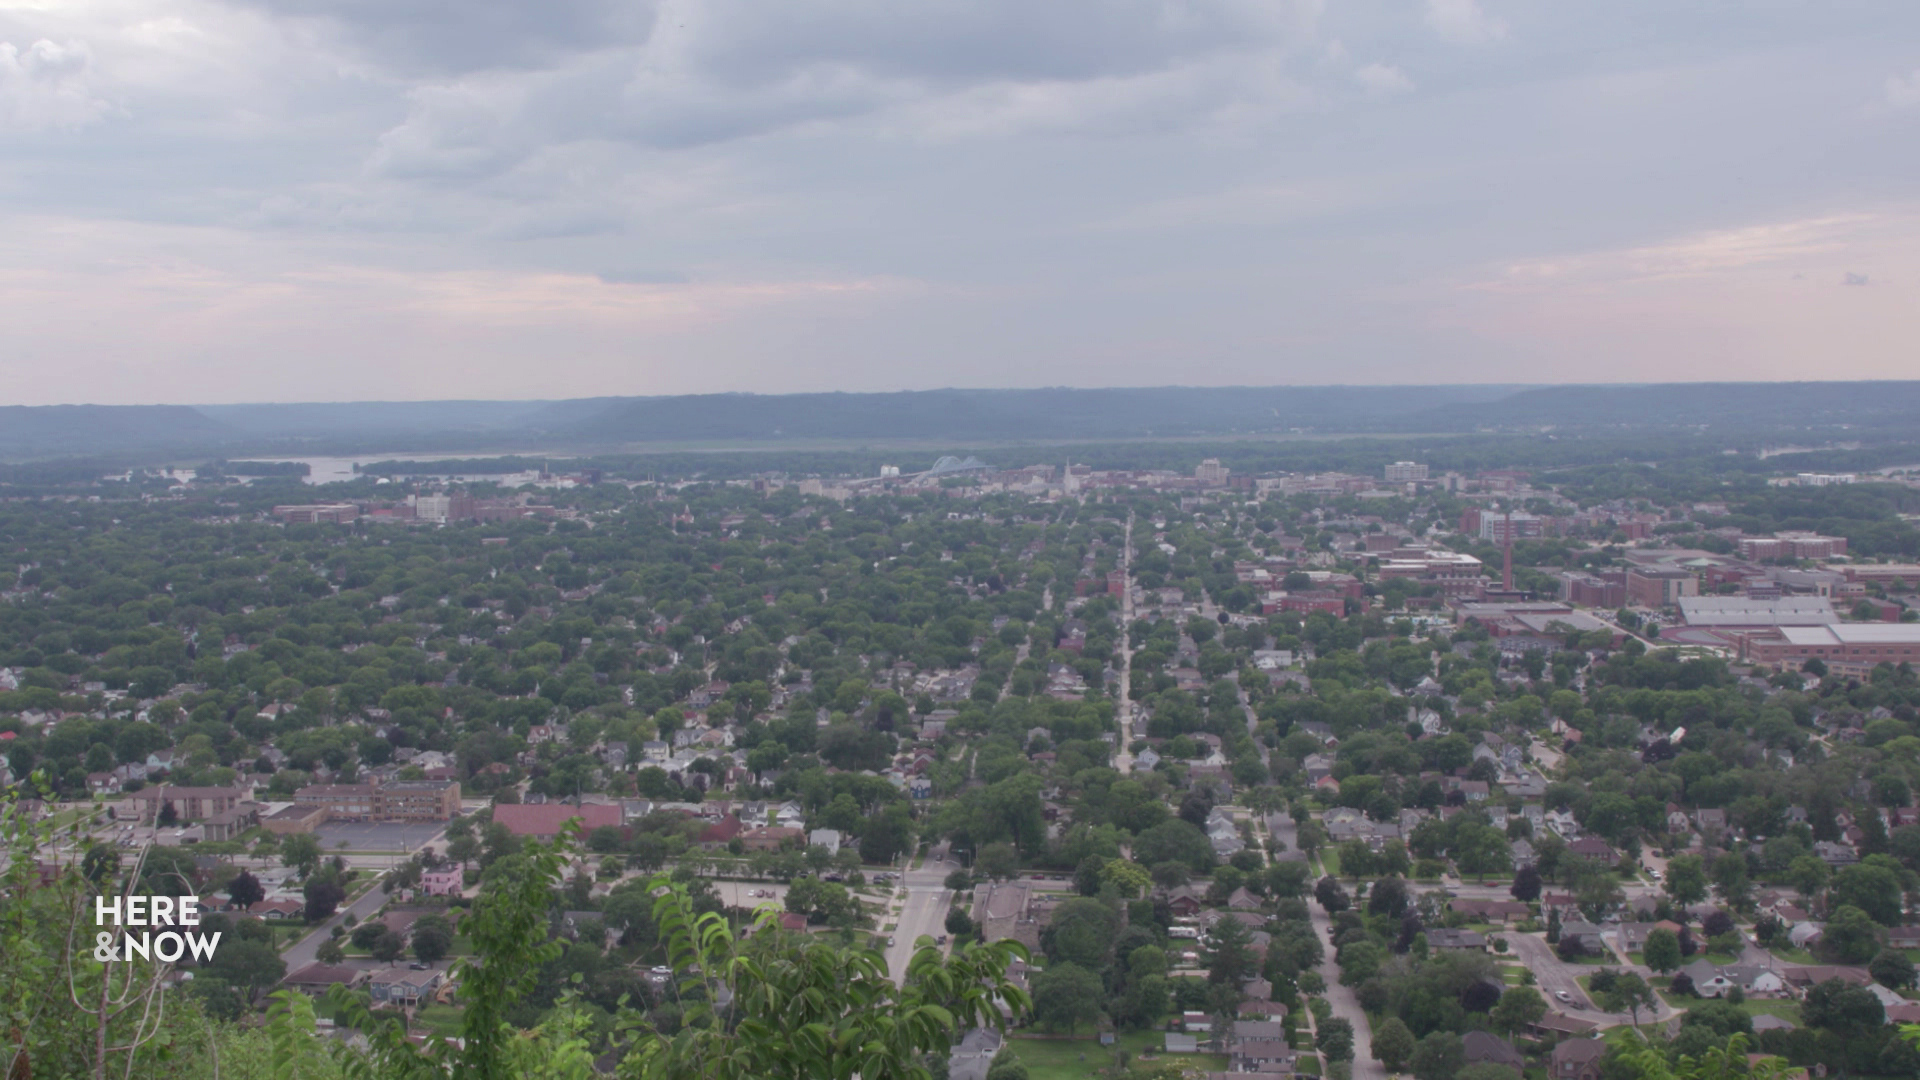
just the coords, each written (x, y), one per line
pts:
(400, 800)
(1748, 613)
(343, 802)
(419, 800)
(1843, 647)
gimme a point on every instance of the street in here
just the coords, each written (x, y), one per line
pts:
(1345, 1005)
(923, 914)
(303, 952)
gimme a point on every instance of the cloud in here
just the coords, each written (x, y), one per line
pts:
(1755, 301)
(1904, 93)
(48, 84)
(448, 37)
(1462, 22)
(1382, 80)
(1762, 247)
(389, 328)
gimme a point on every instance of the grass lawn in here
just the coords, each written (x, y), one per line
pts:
(439, 1019)
(1060, 1058)
(1331, 860)
(1785, 1010)
(1513, 975)
(1795, 956)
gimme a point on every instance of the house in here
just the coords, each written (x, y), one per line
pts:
(1261, 1055)
(1494, 911)
(404, 986)
(1184, 901)
(1585, 934)
(1443, 940)
(825, 838)
(316, 979)
(1751, 979)
(1592, 847)
(1835, 854)
(1242, 900)
(1196, 1022)
(771, 838)
(1577, 1059)
(1904, 937)
(973, 1054)
(1802, 979)
(447, 881)
(1483, 1046)
(1561, 1025)
(1179, 1043)
(1805, 935)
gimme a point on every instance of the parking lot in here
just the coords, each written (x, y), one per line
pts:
(376, 835)
(735, 893)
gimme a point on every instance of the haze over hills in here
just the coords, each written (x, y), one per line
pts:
(1757, 410)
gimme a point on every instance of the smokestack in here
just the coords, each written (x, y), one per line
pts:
(1506, 576)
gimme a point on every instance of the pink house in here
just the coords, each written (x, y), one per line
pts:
(441, 882)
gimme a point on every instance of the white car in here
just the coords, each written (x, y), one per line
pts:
(1562, 995)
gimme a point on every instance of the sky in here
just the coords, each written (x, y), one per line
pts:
(210, 201)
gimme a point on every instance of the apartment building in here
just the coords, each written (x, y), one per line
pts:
(404, 800)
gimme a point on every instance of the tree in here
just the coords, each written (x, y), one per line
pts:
(388, 946)
(364, 935)
(1662, 950)
(959, 881)
(301, 851)
(1392, 1043)
(245, 890)
(864, 1022)
(1331, 896)
(959, 923)
(1871, 887)
(1083, 932)
(1686, 880)
(1481, 850)
(1007, 1065)
(1850, 936)
(1129, 877)
(1174, 840)
(1388, 897)
(432, 938)
(1518, 1009)
(1067, 995)
(252, 965)
(1438, 1057)
(1233, 960)
(1335, 1040)
(1847, 1010)
(1086, 876)
(1628, 993)
(1892, 969)
(330, 952)
(1526, 884)
(1171, 875)
(323, 896)
(998, 862)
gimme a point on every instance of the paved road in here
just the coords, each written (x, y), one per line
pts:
(923, 914)
(302, 952)
(1345, 1005)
